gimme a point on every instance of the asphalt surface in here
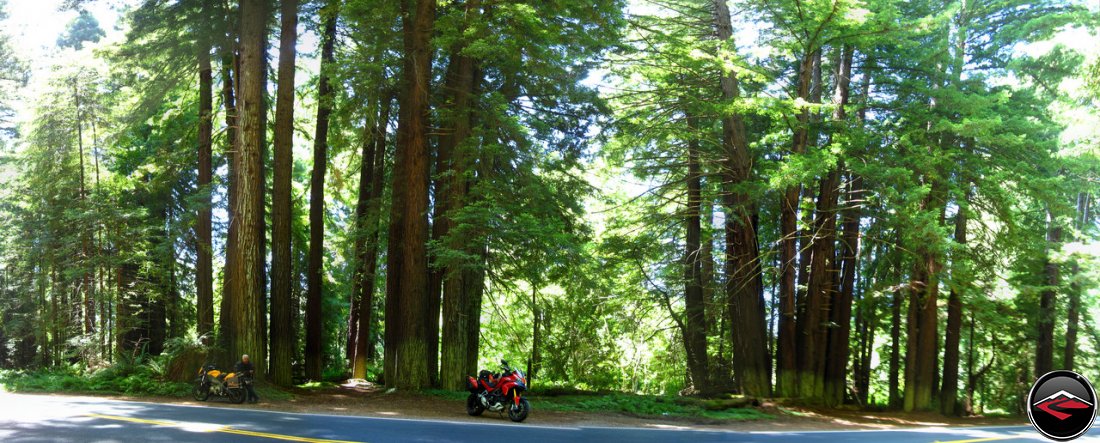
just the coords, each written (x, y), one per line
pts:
(32, 418)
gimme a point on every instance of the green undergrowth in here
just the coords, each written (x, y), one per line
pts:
(139, 381)
(630, 404)
(120, 380)
(648, 406)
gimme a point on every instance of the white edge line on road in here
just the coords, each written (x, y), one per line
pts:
(833, 431)
(568, 428)
(507, 425)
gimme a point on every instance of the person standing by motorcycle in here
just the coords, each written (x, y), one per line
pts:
(246, 370)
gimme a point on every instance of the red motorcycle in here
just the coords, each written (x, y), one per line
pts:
(495, 392)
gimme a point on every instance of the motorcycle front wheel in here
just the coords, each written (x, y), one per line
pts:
(519, 412)
(201, 391)
(236, 395)
(473, 405)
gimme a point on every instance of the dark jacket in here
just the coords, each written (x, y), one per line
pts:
(244, 368)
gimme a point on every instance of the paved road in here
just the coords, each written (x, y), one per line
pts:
(31, 418)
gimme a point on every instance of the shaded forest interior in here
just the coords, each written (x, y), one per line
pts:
(874, 203)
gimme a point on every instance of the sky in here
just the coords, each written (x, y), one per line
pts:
(35, 24)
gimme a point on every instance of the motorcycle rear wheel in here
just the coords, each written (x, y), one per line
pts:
(519, 413)
(473, 405)
(236, 395)
(201, 392)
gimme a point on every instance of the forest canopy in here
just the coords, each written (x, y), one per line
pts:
(869, 202)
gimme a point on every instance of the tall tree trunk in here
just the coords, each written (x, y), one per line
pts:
(868, 307)
(282, 265)
(246, 289)
(743, 287)
(230, 78)
(406, 359)
(535, 362)
(810, 339)
(893, 384)
(1044, 348)
(694, 301)
(85, 242)
(204, 265)
(315, 346)
(158, 301)
(720, 375)
(475, 288)
(842, 278)
(949, 392)
(456, 157)
(787, 373)
(368, 221)
(922, 338)
(786, 356)
(1073, 312)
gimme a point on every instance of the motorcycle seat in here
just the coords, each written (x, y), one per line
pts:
(490, 381)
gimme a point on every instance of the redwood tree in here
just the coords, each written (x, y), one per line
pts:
(743, 287)
(204, 268)
(282, 317)
(244, 329)
(314, 296)
(406, 349)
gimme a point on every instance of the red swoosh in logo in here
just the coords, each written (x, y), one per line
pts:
(1059, 404)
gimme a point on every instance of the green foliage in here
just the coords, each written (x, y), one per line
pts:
(83, 28)
(643, 406)
(137, 380)
(584, 115)
(646, 406)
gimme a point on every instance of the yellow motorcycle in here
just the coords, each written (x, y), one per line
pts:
(211, 381)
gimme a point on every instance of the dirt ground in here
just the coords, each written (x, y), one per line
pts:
(372, 401)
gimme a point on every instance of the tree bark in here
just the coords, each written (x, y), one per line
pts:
(1044, 348)
(842, 278)
(694, 301)
(895, 350)
(204, 264)
(315, 346)
(949, 392)
(743, 287)
(406, 356)
(1073, 312)
(787, 373)
(368, 215)
(922, 338)
(87, 304)
(246, 289)
(282, 265)
(456, 157)
(230, 72)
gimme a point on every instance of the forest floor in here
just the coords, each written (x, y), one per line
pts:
(614, 410)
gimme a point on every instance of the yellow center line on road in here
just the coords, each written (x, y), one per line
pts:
(223, 429)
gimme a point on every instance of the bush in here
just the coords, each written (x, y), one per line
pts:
(124, 379)
(182, 358)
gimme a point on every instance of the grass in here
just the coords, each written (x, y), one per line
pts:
(317, 385)
(646, 406)
(630, 404)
